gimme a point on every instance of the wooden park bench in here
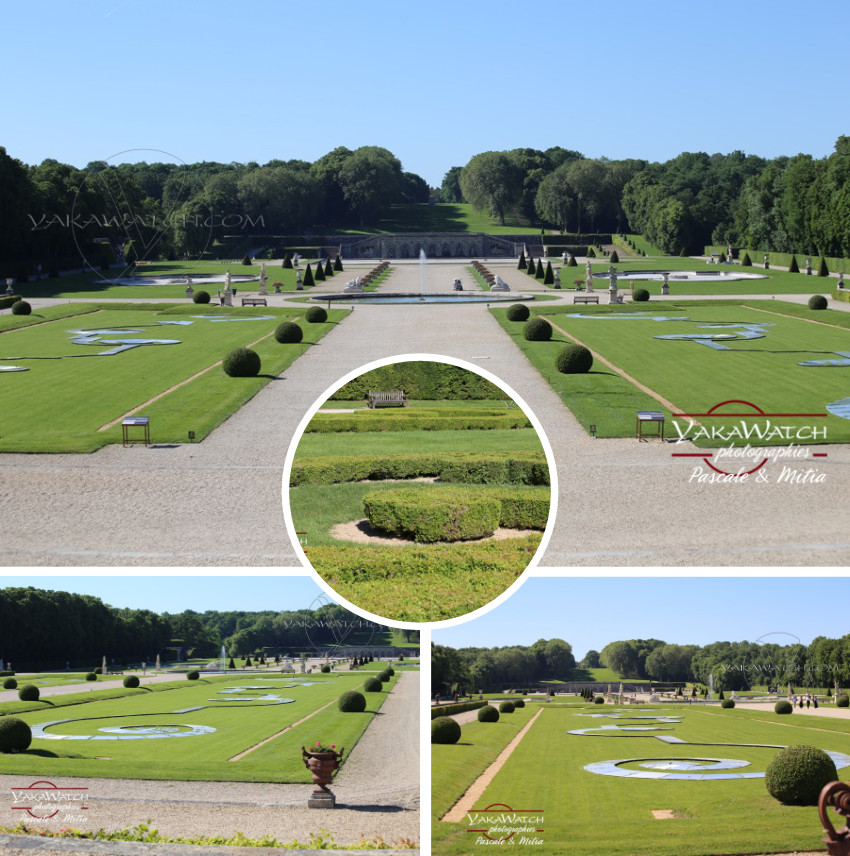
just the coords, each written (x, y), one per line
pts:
(390, 398)
(254, 301)
(586, 298)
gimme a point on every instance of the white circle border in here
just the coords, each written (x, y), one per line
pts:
(433, 358)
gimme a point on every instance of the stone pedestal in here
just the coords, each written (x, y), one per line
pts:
(263, 290)
(613, 293)
(321, 799)
(190, 292)
(227, 298)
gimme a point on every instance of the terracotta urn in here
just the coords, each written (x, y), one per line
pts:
(322, 765)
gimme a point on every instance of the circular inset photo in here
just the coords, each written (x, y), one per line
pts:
(419, 489)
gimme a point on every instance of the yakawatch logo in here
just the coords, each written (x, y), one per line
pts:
(45, 801)
(737, 424)
(500, 824)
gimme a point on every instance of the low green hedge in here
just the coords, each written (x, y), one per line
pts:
(484, 468)
(455, 514)
(325, 423)
(452, 709)
(841, 294)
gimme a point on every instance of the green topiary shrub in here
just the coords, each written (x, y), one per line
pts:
(373, 685)
(793, 267)
(783, 706)
(21, 307)
(246, 260)
(10, 684)
(390, 671)
(640, 295)
(842, 701)
(518, 312)
(242, 362)
(337, 263)
(727, 703)
(384, 676)
(131, 682)
(615, 257)
(488, 713)
(591, 253)
(308, 276)
(15, 735)
(823, 270)
(599, 700)
(506, 707)
(329, 268)
(201, 297)
(193, 675)
(549, 274)
(287, 261)
(797, 775)
(521, 265)
(288, 333)
(574, 359)
(746, 261)
(519, 703)
(231, 664)
(818, 301)
(320, 272)
(539, 271)
(352, 702)
(572, 262)
(28, 692)
(326, 668)
(537, 330)
(444, 729)
(91, 676)
(316, 315)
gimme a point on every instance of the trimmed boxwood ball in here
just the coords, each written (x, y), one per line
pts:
(10, 684)
(506, 707)
(326, 668)
(538, 330)
(599, 700)
(519, 702)
(797, 775)
(518, 312)
(288, 333)
(352, 702)
(193, 676)
(390, 671)
(783, 706)
(15, 734)
(21, 307)
(728, 703)
(842, 701)
(201, 297)
(131, 682)
(488, 713)
(242, 362)
(639, 295)
(444, 730)
(91, 676)
(373, 685)
(816, 301)
(574, 359)
(384, 676)
(28, 692)
(316, 315)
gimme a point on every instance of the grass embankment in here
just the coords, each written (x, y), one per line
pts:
(69, 395)
(689, 375)
(238, 726)
(546, 772)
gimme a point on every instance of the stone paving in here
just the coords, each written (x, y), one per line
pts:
(218, 503)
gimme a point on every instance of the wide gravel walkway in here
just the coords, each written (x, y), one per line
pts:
(218, 503)
(377, 792)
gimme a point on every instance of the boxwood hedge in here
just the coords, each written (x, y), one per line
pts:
(420, 420)
(484, 468)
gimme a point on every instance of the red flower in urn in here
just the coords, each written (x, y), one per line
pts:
(322, 761)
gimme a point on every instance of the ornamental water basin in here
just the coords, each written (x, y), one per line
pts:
(682, 275)
(414, 298)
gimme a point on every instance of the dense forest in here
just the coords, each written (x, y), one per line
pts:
(734, 665)
(42, 629)
(53, 212)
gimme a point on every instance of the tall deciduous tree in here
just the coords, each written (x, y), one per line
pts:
(492, 182)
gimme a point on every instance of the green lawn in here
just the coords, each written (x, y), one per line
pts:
(69, 395)
(691, 376)
(546, 773)
(444, 217)
(238, 726)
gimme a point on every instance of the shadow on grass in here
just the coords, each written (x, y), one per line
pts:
(386, 809)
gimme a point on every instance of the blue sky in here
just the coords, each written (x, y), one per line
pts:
(176, 594)
(435, 83)
(589, 613)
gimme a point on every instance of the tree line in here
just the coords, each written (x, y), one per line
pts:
(53, 211)
(733, 665)
(41, 629)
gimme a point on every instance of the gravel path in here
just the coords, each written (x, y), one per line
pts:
(377, 792)
(218, 503)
